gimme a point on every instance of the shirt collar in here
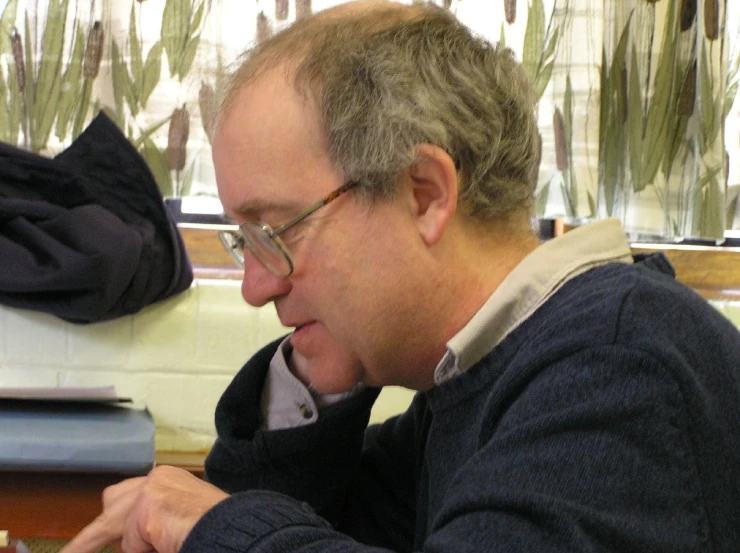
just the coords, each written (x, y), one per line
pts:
(532, 282)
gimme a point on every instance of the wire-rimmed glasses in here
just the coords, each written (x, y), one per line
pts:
(264, 242)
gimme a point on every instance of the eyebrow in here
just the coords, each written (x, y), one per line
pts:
(253, 209)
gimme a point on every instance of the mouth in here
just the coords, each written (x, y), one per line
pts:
(301, 336)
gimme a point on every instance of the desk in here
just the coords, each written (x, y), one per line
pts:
(59, 505)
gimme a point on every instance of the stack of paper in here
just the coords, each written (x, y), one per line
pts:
(75, 430)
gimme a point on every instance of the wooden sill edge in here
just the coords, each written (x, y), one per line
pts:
(714, 273)
(192, 462)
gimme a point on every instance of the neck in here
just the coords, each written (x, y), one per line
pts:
(469, 267)
(485, 257)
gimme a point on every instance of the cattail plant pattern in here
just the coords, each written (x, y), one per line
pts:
(20, 67)
(561, 143)
(281, 10)
(207, 106)
(711, 19)
(662, 94)
(687, 96)
(93, 51)
(510, 11)
(688, 14)
(302, 9)
(177, 139)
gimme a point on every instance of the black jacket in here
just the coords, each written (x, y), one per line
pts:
(86, 235)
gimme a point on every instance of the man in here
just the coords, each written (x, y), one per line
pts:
(571, 398)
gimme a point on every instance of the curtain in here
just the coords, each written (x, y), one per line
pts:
(636, 97)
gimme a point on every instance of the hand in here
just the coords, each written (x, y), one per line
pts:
(149, 513)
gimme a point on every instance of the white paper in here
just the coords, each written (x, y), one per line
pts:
(97, 394)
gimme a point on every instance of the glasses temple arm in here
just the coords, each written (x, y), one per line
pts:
(298, 218)
(321, 203)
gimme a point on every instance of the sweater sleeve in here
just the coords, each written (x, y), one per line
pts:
(267, 522)
(312, 463)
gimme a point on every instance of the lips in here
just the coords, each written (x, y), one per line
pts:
(301, 337)
(295, 321)
(299, 326)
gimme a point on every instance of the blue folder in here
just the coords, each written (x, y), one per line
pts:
(75, 437)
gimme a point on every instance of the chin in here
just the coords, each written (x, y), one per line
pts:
(331, 375)
(332, 369)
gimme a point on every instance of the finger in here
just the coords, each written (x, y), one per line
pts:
(169, 505)
(112, 493)
(132, 540)
(166, 490)
(107, 527)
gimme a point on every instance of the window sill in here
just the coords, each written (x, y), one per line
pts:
(713, 272)
(208, 257)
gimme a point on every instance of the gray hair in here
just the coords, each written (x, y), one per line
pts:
(392, 77)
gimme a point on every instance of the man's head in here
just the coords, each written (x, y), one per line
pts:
(437, 129)
(386, 77)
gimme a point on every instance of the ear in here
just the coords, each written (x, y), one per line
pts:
(433, 182)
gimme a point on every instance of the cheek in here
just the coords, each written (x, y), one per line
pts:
(333, 270)
(354, 280)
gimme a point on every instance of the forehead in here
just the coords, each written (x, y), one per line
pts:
(270, 150)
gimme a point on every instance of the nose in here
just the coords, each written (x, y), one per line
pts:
(259, 285)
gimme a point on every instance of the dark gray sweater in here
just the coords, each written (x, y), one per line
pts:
(608, 421)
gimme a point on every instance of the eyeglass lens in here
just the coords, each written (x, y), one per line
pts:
(234, 244)
(266, 249)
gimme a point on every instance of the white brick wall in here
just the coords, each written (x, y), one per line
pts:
(730, 309)
(175, 357)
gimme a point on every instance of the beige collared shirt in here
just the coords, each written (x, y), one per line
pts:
(542, 273)
(287, 403)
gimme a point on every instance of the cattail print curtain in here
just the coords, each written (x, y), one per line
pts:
(663, 97)
(634, 95)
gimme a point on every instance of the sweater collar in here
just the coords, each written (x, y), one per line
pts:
(532, 282)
